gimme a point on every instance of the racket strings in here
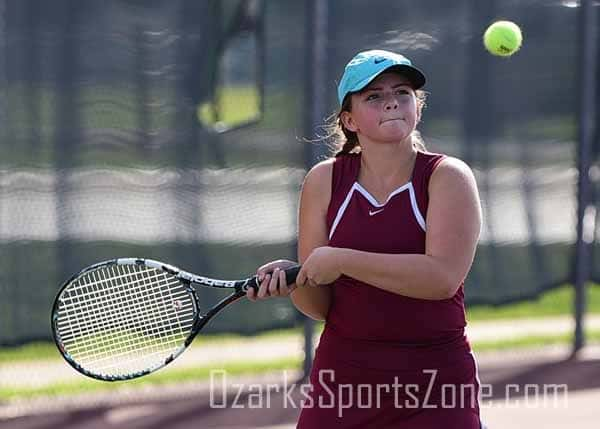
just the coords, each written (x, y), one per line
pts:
(127, 338)
(112, 313)
(124, 319)
(116, 316)
(142, 312)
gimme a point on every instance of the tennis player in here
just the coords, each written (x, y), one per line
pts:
(387, 235)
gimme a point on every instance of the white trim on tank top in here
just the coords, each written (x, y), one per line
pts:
(358, 187)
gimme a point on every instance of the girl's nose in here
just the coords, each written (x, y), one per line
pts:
(391, 103)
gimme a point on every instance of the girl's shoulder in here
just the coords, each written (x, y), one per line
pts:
(449, 169)
(320, 175)
(435, 159)
(321, 169)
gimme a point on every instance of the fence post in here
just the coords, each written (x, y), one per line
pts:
(585, 208)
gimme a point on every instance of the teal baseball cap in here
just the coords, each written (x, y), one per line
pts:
(367, 65)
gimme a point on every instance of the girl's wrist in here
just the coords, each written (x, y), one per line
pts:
(341, 259)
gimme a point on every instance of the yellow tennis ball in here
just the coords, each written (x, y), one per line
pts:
(503, 38)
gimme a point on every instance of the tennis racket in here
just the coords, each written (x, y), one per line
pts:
(125, 318)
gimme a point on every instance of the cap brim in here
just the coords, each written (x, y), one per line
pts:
(414, 75)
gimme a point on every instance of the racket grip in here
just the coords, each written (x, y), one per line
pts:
(291, 273)
(290, 277)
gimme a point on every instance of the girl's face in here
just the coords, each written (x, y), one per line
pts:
(385, 111)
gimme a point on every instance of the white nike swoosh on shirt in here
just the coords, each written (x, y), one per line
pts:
(371, 213)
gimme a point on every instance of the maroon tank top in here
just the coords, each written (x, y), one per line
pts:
(356, 220)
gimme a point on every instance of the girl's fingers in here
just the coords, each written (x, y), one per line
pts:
(285, 290)
(264, 287)
(272, 281)
(269, 267)
(282, 279)
(275, 279)
(251, 294)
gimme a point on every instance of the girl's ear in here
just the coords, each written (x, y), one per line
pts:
(348, 122)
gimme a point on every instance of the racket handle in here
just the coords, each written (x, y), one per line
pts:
(291, 273)
(290, 278)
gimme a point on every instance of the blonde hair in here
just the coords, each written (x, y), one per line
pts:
(343, 141)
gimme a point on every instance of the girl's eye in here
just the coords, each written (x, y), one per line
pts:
(373, 97)
(402, 92)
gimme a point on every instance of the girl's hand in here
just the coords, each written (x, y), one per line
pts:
(320, 268)
(272, 280)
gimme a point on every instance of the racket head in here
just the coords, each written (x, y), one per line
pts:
(124, 318)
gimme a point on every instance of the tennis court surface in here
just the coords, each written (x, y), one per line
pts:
(542, 388)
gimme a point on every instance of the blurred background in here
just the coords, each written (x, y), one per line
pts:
(181, 131)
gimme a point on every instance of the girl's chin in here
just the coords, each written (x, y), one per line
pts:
(395, 136)
(392, 140)
(393, 128)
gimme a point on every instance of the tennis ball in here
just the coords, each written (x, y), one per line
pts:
(503, 38)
